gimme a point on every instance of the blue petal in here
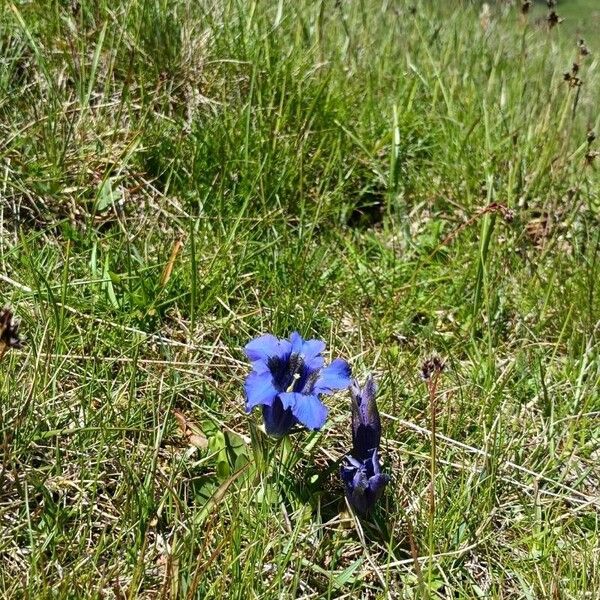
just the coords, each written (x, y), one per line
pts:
(309, 350)
(378, 480)
(297, 342)
(347, 475)
(368, 397)
(311, 353)
(259, 389)
(261, 366)
(375, 462)
(364, 482)
(288, 399)
(360, 482)
(376, 485)
(266, 346)
(308, 409)
(357, 491)
(335, 376)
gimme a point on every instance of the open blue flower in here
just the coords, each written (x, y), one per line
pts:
(362, 474)
(364, 482)
(287, 378)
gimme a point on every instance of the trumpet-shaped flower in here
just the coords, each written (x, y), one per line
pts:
(364, 481)
(286, 380)
(362, 474)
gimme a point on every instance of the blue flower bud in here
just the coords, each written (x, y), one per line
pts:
(366, 424)
(361, 474)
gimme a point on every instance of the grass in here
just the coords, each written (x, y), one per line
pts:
(401, 181)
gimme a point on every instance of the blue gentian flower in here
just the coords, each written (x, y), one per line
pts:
(364, 482)
(362, 474)
(287, 378)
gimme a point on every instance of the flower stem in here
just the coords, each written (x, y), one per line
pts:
(432, 388)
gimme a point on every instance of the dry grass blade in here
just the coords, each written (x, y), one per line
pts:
(191, 431)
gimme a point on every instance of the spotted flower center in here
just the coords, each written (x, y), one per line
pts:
(291, 374)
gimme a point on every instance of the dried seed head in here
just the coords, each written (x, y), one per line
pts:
(553, 19)
(9, 331)
(583, 49)
(551, 3)
(431, 366)
(525, 6)
(571, 76)
(508, 215)
(590, 157)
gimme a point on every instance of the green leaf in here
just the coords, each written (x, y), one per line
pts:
(107, 195)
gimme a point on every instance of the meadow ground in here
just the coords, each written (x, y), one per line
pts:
(401, 179)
